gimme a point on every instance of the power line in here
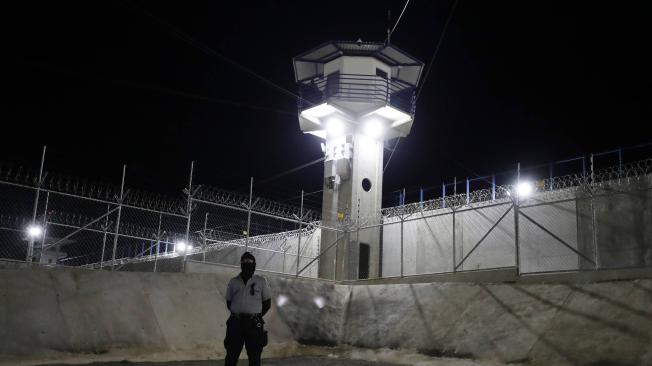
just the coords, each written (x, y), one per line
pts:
(434, 54)
(392, 153)
(399, 17)
(178, 33)
(290, 171)
(432, 61)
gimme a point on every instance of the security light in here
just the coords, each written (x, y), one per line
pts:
(374, 129)
(180, 246)
(34, 231)
(524, 189)
(335, 127)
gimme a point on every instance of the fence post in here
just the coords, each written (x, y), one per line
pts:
(299, 239)
(203, 257)
(189, 213)
(285, 241)
(30, 245)
(594, 232)
(550, 167)
(158, 241)
(117, 223)
(467, 190)
(443, 194)
(337, 239)
(251, 190)
(454, 249)
(421, 197)
(45, 225)
(591, 165)
(493, 187)
(516, 228)
(620, 162)
(105, 227)
(401, 217)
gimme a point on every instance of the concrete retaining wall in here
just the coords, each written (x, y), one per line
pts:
(50, 314)
(45, 313)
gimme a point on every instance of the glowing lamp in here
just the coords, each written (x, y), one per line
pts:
(34, 231)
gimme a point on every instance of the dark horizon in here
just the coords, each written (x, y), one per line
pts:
(106, 85)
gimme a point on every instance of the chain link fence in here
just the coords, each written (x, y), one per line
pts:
(596, 219)
(52, 219)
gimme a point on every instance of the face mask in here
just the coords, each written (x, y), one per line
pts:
(248, 269)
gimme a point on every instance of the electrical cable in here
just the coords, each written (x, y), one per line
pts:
(434, 54)
(399, 17)
(290, 171)
(425, 77)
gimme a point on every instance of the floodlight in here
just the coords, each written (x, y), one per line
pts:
(189, 248)
(335, 127)
(374, 129)
(34, 231)
(524, 189)
(180, 246)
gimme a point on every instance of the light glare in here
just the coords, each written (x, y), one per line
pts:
(180, 247)
(524, 189)
(335, 127)
(281, 300)
(373, 129)
(34, 231)
(319, 301)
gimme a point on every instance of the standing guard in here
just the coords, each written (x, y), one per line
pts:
(248, 298)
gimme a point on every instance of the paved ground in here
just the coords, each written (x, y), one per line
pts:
(295, 361)
(308, 361)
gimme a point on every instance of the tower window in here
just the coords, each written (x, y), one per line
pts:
(366, 184)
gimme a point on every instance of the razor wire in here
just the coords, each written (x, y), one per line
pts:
(560, 185)
(152, 225)
(259, 204)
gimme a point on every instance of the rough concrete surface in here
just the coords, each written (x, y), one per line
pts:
(300, 361)
(295, 361)
(52, 315)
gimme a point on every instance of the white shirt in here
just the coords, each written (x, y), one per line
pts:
(241, 298)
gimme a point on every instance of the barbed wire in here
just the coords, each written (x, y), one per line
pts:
(588, 180)
(259, 204)
(60, 183)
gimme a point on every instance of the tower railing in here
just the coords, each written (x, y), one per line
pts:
(357, 88)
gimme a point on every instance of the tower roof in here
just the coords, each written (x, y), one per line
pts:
(311, 63)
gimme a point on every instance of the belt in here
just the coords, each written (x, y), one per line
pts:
(245, 315)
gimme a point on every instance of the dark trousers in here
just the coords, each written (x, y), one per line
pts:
(244, 332)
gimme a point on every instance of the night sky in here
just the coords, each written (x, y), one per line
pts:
(107, 83)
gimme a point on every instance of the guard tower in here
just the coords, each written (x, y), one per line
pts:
(355, 96)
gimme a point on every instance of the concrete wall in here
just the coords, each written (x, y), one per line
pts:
(612, 227)
(590, 324)
(430, 246)
(274, 252)
(49, 314)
